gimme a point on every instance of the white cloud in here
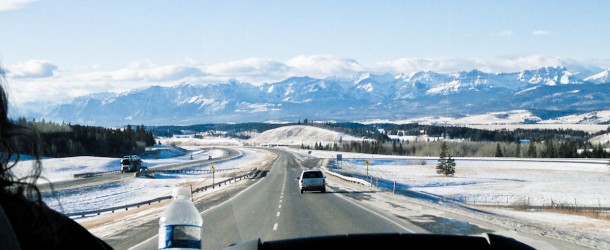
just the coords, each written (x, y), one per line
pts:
(6, 5)
(144, 71)
(31, 69)
(324, 65)
(505, 33)
(250, 69)
(443, 65)
(540, 33)
(260, 70)
(514, 64)
(449, 65)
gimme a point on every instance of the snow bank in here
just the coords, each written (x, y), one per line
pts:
(58, 169)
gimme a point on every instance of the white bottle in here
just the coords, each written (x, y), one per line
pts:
(180, 225)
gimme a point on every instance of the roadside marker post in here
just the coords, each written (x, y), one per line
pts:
(213, 170)
(340, 159)
(367, 162)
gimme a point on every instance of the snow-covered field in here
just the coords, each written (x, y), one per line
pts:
(585, 181)
(504, 182)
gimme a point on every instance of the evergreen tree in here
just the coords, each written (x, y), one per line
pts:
(498, 151)
(550, 151)
(531, 151)
(446, 164)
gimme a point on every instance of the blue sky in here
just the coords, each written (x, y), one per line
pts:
(71, 48)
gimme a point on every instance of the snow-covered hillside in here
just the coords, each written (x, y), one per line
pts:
(600, 139)
(300, 134)
(513, 117)
(595, 117)
(510, 117)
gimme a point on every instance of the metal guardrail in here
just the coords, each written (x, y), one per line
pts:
(349, 179)
(91, 174)
(159, 199)
(150, 171)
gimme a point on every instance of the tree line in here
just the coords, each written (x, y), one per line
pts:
(473, 134)
(544, 149)
(67, 140)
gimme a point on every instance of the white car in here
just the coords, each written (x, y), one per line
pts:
(312, 180)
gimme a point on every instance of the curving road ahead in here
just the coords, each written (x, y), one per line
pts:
(273, 208)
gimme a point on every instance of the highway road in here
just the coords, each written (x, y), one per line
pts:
(111, 177)
(273, 208)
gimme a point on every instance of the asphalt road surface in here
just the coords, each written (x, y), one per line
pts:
(274, 208)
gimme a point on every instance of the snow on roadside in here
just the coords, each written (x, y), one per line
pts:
(565, 221)
(59, 169)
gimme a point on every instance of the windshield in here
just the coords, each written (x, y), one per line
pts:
(312, 174)
(421, 117)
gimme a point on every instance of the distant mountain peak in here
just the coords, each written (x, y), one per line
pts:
(601, 77)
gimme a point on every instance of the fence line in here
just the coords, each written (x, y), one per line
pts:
(159, 199)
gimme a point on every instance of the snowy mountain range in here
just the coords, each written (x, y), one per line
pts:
(548, 90)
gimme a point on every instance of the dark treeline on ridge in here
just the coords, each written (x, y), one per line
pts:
(65, 140)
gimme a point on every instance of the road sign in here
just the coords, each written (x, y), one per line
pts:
(213, 168)
(339, 157)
